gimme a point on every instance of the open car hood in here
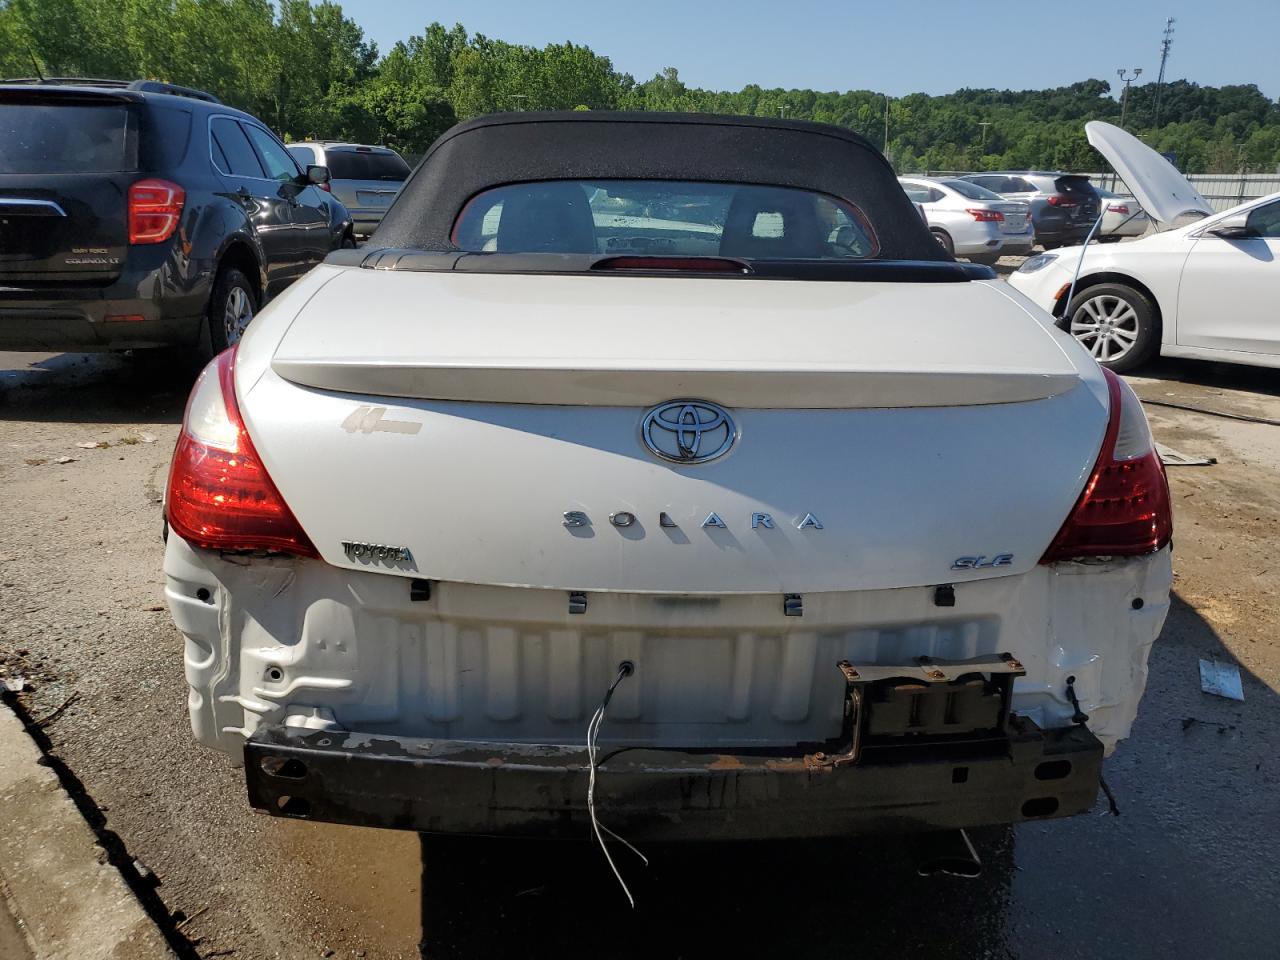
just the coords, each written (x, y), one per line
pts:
(1162, 191)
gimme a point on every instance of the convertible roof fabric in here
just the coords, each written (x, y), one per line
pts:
(514, 147)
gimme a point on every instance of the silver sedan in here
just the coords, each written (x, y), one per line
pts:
(1122, 218)
(971, 221)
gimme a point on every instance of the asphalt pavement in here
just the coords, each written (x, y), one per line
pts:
(1186, 870)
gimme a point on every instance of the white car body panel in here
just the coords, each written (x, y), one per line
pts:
(309, 646)
(576, 432)
(1188, 271)
(545, 342)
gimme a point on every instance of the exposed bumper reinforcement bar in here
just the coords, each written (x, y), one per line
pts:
(537, 790)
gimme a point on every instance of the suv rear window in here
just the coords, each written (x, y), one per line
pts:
(68, 138)
(349, 165)
(664, 218)
(1073, 185)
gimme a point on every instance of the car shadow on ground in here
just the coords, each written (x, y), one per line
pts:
(94, 387)
(801, 899)
(1180, 872)
(1208, 373)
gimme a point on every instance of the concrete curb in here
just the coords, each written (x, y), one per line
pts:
(70, 902)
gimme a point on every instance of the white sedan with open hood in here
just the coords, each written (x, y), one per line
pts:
(645, 470)
(1205, 286)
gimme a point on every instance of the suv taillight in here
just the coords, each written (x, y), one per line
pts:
(1124, 509)
(1118, 208)
(220, 495)
(154, 209)
(1055, 200)
(986, 216)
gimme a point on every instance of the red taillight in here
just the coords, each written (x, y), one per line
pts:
(1124, 509)
(986, 216)
(1057, 201)
(220, 495)
(154, 209)
(1118, 208)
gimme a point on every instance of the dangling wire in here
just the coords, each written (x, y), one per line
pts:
(597, 828)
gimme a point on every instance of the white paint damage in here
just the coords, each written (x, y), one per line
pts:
(307, 645)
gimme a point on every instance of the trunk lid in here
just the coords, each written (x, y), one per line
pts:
(874, 447)
(364, 194)
(600, 341)
(66, 162)
(1015, 216)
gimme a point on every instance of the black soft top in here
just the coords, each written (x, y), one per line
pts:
(515, 147)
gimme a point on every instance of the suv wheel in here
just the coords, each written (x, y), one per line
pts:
(1116, 324)
(231, 308)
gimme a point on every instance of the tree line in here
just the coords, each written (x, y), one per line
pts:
(308, 69)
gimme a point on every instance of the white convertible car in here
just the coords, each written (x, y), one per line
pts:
(645, 467)
(1206, 289)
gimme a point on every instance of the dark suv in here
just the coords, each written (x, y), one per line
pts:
(141, 214)
(1064, 206)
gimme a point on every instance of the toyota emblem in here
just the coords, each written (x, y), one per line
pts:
(688, 431)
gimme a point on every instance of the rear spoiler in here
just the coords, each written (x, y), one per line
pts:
(45, 93)
(94, 85)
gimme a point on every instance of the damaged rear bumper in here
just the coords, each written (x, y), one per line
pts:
(513, 789)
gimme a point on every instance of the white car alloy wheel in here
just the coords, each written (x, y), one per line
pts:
(1107, 325)
(237, 314)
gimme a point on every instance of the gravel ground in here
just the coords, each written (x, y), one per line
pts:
(1187, 870)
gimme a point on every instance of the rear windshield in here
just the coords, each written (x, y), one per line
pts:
(661, 217)
(304, 155)
(1073, 185)
(344, 165)
(971, 190)
(68, 138)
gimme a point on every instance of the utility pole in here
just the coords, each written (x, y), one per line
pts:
(1124, 97)
(886, 124)
(984, 124)
(1165, 44)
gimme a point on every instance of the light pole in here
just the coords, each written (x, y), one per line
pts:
(1124, 97)
(1165, 44)
(984, 124)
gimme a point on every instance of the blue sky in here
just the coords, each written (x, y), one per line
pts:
(924, 46)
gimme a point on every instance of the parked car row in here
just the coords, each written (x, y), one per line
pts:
(970, 221)
(1058, 209)
(142, 214)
